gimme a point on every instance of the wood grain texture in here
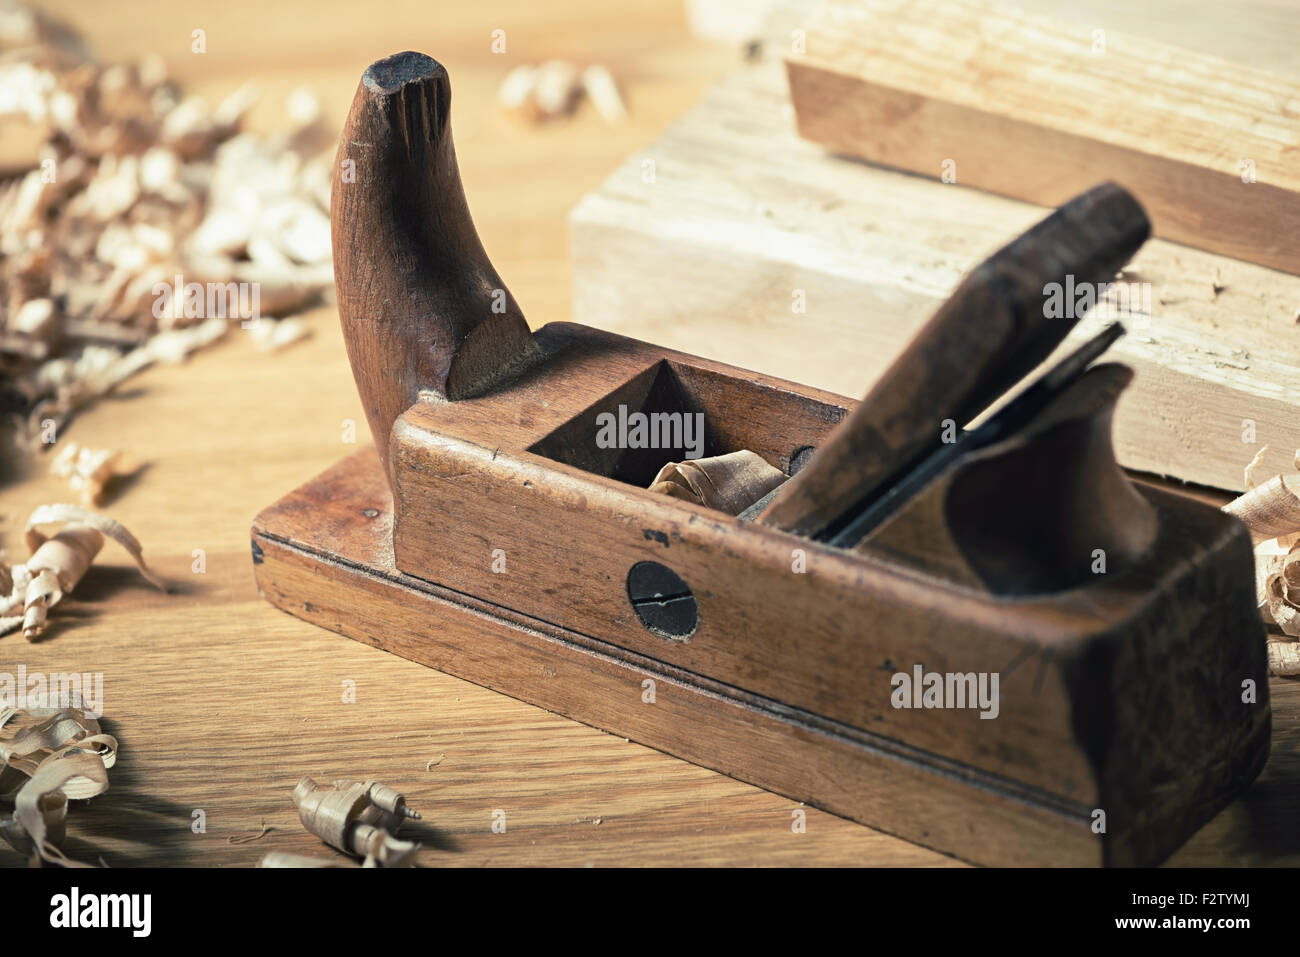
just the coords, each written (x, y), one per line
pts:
(821, 270)
(1039, 109)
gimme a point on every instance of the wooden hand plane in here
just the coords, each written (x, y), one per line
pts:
(955, 622)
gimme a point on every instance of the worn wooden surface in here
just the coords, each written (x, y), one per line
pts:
(820, 269)
(222, 702)
(1038, 108)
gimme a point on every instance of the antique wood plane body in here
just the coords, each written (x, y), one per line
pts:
(985, 640)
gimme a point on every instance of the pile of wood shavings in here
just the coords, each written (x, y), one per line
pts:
(1271, 511)
(133, 186)
(49, 756)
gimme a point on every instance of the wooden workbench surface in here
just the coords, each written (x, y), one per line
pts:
(220, 702)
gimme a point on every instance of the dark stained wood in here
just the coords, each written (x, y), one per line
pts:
(990, 333)
(421, 306)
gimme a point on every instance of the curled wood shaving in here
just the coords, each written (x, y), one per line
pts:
(250, 838)
(554, 88)
(603, 91)
(1248, 474)
(88, 471)
(516, 93)
(58, 563)
(62, 386)
(29, 736)
(1271, 512)
(729, 483)
(357, 818)
(138, 186)
(1270, 509)
(47, 757)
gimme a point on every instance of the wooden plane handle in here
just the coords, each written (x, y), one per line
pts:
(986, 336)
(421, 306)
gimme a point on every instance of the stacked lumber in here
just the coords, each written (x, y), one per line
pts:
(734, 238)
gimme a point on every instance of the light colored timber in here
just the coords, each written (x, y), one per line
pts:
(712, 239)
(1041, 109)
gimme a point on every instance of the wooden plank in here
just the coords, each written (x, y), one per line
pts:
(502, 498)
(785, 260)
(1040, 109)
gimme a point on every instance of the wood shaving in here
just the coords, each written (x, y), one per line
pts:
(58, 563)
(360, 819)
(1283, 657)
(1271, 512)
(729, 483)
(60, 387)
(250, 838)
(1248, 473)
(89, 471)
(49, 756)
(599, 84)
(516, 92)
(285, 859)
(554, 89)
(136, 188)
(1271, 509)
